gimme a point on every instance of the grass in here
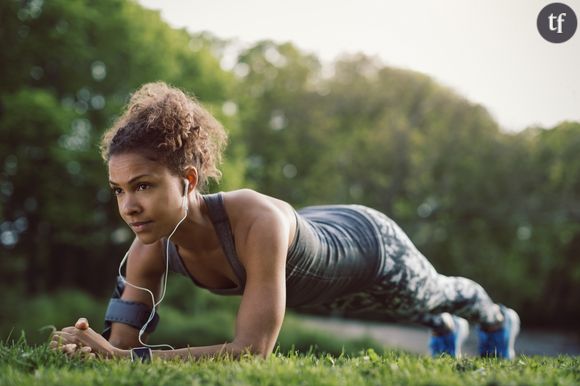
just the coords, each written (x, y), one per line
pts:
(22, 364)
(204, 319)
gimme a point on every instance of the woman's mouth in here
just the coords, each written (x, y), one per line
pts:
(140, 225)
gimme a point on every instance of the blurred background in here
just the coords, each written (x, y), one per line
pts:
(466, 134)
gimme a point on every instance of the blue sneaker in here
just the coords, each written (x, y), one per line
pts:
(500, 343)
(450, 343)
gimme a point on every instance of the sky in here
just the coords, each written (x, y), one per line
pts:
(488, 51)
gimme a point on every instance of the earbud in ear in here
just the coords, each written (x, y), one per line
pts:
(184, 204)
(186, 187)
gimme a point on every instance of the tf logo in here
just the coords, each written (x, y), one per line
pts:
(557, 22)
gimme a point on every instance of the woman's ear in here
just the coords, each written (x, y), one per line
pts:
(191, 175)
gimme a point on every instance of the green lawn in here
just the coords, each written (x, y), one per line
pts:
(21, 364)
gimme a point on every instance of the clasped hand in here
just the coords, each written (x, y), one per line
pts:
(81, 340)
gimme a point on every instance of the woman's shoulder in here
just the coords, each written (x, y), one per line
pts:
(247, 207)
(248, 200)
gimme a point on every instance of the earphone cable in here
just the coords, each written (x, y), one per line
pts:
(151, 316)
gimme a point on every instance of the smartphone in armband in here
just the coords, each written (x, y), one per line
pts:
(141, 353)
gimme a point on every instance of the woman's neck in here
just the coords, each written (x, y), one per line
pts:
(196, 233)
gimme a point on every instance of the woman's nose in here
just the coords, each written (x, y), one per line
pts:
(130, 205)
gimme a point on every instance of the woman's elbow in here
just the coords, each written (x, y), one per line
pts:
(126, 337)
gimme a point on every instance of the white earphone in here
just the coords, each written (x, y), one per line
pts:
(185, 206)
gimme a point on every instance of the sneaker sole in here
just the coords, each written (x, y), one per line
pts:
(462, 333)
(514, 329)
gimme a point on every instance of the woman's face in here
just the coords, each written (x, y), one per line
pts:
(148, 195)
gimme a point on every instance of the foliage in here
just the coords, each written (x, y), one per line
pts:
(496, 207)
(69, 67)
(21, 364)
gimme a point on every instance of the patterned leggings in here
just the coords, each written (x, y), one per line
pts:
(410, 289)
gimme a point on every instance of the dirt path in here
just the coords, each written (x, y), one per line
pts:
(415, 339)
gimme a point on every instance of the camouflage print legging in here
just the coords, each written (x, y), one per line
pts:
(411, 290)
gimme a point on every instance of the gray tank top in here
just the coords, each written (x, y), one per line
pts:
(335, 252)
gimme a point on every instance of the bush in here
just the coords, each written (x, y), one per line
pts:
(34, 317)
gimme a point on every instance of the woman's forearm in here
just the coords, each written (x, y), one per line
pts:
(189, 353)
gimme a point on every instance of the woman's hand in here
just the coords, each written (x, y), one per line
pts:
(82, 340)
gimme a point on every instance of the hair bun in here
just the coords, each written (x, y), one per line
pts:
(171, 124)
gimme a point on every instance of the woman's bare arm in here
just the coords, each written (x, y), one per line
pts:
(145, 267)
(263, 304)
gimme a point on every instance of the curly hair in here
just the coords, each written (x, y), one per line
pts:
(169, 126)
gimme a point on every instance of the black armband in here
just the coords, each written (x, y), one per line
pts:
(134, 314)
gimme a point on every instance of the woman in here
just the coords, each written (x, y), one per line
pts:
(160, 154)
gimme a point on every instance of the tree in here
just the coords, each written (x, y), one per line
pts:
(68, 68)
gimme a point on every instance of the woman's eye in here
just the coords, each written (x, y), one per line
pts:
(142, 186)
(116, 191)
